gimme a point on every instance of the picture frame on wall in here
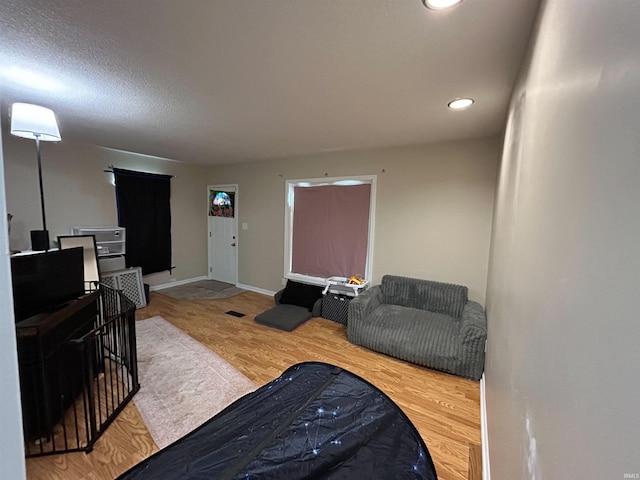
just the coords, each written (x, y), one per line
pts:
(221, 203)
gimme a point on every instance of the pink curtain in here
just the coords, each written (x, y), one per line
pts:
(330, 230)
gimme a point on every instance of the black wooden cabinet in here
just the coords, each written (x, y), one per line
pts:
(53, 368)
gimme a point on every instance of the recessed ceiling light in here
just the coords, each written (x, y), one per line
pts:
(460, 103)
(440, 4)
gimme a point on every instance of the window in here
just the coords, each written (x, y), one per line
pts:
(329, 226)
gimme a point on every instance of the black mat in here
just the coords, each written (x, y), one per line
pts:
(284, 317)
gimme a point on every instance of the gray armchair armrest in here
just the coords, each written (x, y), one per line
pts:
(474, 322)
(361, 306)
(473, 335)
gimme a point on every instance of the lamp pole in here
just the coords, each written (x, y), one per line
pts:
(44, 217)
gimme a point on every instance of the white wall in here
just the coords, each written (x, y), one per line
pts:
(433, 212)
(563, 359)
(11, 443)
(78, 192)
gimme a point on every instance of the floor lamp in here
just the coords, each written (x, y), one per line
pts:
(39, 124)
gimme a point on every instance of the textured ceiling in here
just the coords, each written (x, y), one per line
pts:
(220, 81)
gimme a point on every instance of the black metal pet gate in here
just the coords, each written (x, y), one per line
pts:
(77, 373)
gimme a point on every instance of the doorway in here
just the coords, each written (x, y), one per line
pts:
(222, 217)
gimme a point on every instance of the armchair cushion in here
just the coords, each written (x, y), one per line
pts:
(435, 333)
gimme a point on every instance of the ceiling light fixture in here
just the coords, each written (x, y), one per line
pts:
(440, 4)
(460, 103)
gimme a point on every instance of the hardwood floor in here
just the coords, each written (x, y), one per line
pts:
(445, 409)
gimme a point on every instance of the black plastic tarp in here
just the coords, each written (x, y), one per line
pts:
(314, 421)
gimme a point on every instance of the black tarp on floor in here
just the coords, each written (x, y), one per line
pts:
(314, 421)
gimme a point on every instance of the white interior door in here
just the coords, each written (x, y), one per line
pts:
(223, 233)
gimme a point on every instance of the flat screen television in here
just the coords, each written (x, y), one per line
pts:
(46, 281)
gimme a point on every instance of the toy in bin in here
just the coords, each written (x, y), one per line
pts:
(356, 280)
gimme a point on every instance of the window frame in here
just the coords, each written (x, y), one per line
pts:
(289, 213)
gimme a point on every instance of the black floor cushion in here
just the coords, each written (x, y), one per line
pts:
(284, 317)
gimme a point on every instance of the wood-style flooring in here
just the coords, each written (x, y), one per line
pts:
(445, 409)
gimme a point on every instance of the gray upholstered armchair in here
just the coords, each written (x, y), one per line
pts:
(428, 323)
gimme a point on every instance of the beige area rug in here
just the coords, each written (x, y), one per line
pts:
(202, 290)
(182, 382)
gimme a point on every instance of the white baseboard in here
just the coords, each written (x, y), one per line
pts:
(484, 437)
(255, 289)
(177, 283)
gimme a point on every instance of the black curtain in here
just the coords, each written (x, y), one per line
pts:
(144, 210)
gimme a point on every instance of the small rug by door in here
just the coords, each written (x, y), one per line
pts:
(182, 382)
(213, 285)
(202, 290)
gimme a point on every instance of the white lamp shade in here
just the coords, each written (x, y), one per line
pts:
(32, 121)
